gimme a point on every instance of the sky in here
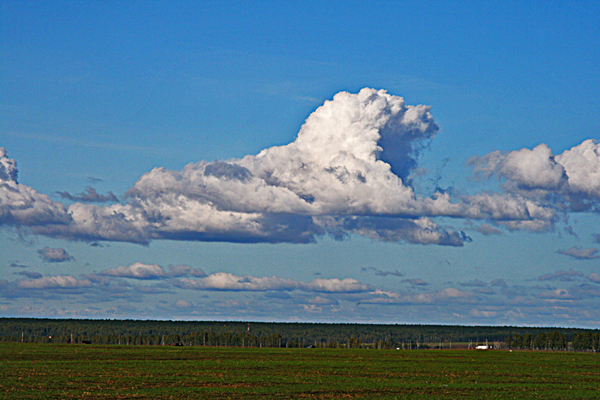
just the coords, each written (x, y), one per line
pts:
(409, 162)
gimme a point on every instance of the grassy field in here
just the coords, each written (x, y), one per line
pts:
(53, 371)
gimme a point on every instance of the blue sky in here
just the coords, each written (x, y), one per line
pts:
(188, 160)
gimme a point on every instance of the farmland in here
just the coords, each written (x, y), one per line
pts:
(42, 371)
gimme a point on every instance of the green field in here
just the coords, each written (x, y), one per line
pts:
(47, 371)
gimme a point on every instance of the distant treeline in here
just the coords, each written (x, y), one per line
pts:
(582, 341)
(274, 334)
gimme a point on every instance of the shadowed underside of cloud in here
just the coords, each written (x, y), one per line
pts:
(346, 173)
(90, 195)
(31, 275)
(416, 282)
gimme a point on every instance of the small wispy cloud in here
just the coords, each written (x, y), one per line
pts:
(93, 179)
(380, 272)
(31, 275)
(183, 304)
(90, 195)
(474, 283)
(564, 276)
(488, 230)
(416, 282)
(57, 255)
(580, 253)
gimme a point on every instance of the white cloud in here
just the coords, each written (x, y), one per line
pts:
(347, 285)
(488, 230)
(322, 301)
(573, 175)
(183, 304)
(231, 282)
(582, 167)
(512, 211)
(442, 296)
(51, 282)
(594, 277)
(483, 313)
(152, 271)
(529, 168)
(137, 271)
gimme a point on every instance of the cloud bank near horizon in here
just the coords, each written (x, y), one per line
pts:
(555, 296)
(348, 172)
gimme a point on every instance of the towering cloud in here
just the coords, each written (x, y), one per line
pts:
(8, 167)
(346, 166)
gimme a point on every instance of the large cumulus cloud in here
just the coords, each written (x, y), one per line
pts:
(337, 166)
(347, 172)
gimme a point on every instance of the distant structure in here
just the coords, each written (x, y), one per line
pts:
(483, 346)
